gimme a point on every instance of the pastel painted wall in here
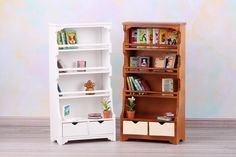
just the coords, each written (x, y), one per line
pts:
(210, 58)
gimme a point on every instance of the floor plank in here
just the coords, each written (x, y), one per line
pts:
(18, 141)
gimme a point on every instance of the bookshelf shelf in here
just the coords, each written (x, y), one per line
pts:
(84, 119)
(149, 118)
(88, 70)
(152, 49)
(80, 77)
(158, 71)
(154, 74)
(82, 94)
(84, 47)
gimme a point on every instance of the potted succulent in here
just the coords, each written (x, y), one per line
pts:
(131, 107)
(106, 107)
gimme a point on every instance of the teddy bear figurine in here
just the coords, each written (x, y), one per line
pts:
(89, 87)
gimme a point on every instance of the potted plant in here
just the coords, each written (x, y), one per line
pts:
(130, 107)
(106, 107)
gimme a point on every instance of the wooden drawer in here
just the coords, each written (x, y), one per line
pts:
(75, 129)
(101, 127)
(159, 129)
(135, 128)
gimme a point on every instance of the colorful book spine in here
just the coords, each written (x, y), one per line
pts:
(131, 84)
(133, 81)
(138, 85)
(129, 87)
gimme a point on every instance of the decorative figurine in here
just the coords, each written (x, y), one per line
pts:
(89, 87)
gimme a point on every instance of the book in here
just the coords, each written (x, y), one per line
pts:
(170, 59)
(128, 83)
(142, 36)
(59, 89)
(63, 37)
(133, 37)
(159, 62)
(144, 62)
(145, 85)
(167, 85)
(138, 85)
(131, 83)
(94, 115)
(149, 36)
(134, 62)
(59, 40)
(155, 36)
(81, 64)
(71, 37)
(60, 65)
(163, 37)
(134, 83)
(172, 36)
(66, 110)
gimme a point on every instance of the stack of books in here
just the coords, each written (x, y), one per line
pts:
(94, 115)
(167, 117)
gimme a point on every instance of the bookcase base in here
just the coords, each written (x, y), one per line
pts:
(172, 140)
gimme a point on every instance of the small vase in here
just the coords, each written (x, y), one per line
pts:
(106, 114)
(130, 114)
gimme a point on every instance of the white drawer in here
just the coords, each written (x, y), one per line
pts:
(75, 129)
(132, 128)
(102, 127)
(157, 129)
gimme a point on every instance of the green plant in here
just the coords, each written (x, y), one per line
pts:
(105, 104)
(131, 104)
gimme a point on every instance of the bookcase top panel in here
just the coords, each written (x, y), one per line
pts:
(81, 25)
(153, 24)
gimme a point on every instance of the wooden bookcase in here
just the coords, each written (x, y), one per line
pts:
(154, 103)
(94, 47)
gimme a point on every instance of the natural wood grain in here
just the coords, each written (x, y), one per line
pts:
(28, 141)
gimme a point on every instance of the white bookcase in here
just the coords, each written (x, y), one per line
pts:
(94, 47)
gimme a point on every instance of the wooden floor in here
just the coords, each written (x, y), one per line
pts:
(23, 141)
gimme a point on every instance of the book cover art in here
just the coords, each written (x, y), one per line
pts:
(133, 37)
(159, 62)
(167, 85)
(144, 62)
(71, 37)
(149, 36)
(170, 59)
(172, 37)
(155, 36)
(134, 62)
(163, 37)
(59, 40)
(142, 37)
(66, 110)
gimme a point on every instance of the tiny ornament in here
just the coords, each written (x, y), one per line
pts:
(89, 87)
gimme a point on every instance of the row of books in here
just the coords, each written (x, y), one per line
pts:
(170, 60)
(67, 37)
(159, 37)
(136, 83)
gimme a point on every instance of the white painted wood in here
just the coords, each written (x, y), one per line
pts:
(75, 129)
(100, 127)
(159, 129)
(94, 47)
(131, 128)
